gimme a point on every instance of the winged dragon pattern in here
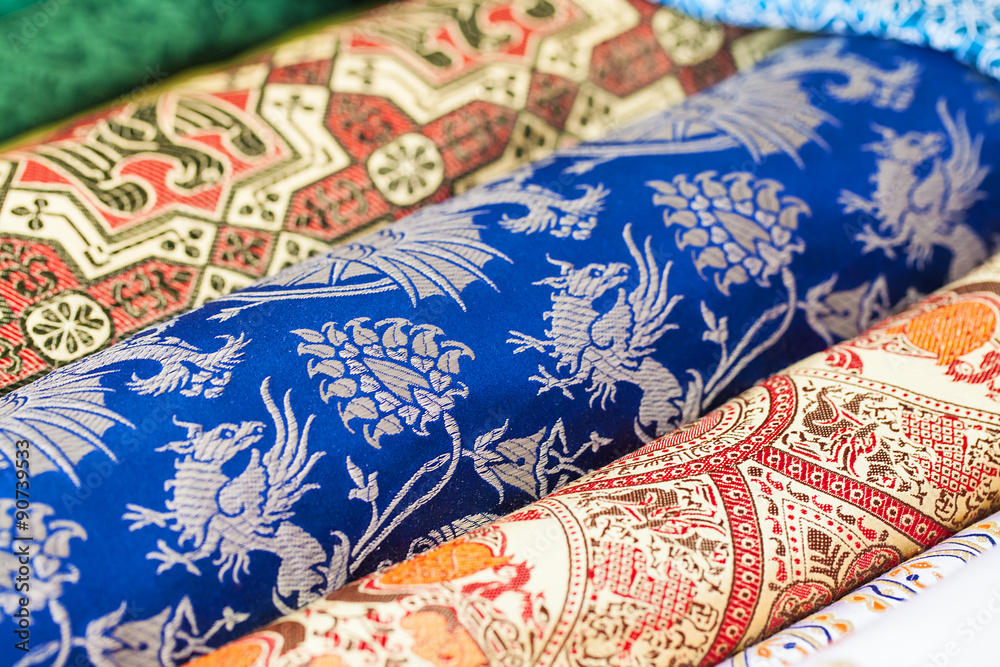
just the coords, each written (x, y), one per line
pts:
(252, 511)
(435, 251)
(607, 348)
(925, 183)
(64, 414)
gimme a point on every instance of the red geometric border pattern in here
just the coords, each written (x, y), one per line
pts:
(250, 169)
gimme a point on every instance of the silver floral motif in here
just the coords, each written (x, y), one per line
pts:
(741, 227)
(407, 170)
(390, 376)
(168, 638)
(68, 327)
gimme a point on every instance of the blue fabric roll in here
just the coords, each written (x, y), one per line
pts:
(198, 479)
(969, 29)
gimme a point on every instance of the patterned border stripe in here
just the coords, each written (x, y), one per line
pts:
(922, 529)
(780, 398)
(748, 573)
(864, 605)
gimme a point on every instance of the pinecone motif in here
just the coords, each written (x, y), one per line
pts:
(740, 227)
(389, 376)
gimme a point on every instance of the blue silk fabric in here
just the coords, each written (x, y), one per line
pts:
(968, 29)
(198, 479)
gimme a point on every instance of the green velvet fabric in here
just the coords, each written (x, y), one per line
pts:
(59, 57)
(10, 6)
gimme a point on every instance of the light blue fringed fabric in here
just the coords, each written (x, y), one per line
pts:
(196, 480)
(969, 29)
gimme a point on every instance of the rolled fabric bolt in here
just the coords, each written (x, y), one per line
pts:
(860, 609)
(371, 403)
(11, 6)
(144, 211)
(968, 30)
(713, 537)
(64, 56)
(954, 624)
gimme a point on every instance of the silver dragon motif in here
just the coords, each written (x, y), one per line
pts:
(253, 511)
(923, 192)
(614, 346)
(64, 414)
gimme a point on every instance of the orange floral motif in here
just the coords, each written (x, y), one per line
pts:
(452, 560)
(870, 601)
(441, 640)
(952, 330)
(767, 648)
(238, 654)
(326, 661)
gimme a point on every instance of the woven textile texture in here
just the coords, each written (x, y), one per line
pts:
(969, 29)
(139, 213)
(61, 57)
(860, 608)
(11, 6)
(370, 403)
(954, 624)
(716, 536)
